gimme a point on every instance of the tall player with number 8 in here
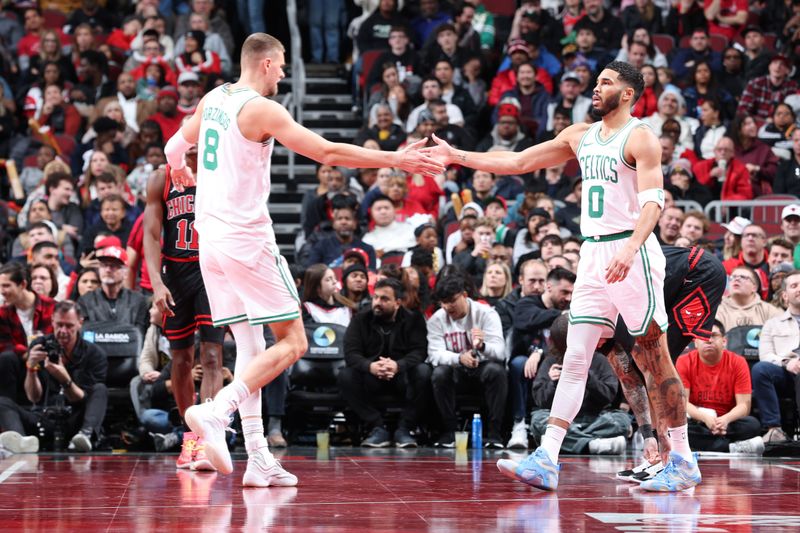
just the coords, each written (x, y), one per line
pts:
(621, 268)
(248, 281)
(180, 295)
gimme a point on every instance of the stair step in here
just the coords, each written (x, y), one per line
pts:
(338, 133)
(284, 208)
(307, 170)
(286, 229)
(281, 187)
(329, 115)
(285, 198)
(328, 99)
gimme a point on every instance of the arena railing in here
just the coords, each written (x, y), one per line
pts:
(761, 210)
(294, 100)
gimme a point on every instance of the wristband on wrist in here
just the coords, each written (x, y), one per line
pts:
(32, 369)
(646, 430)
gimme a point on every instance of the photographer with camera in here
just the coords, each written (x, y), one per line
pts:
(65, 379)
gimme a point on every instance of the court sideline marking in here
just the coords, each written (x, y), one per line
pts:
(787, 467)
(8, 472)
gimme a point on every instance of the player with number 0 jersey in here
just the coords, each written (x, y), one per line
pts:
(620, 272)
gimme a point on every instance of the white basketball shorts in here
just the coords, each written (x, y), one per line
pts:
(639, 298)
(260, 290)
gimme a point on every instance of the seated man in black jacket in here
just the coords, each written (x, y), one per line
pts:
(595, 430)
(385, 349)
(66, 363)
(111, 301)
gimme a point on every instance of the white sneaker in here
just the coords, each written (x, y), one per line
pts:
(519, 436)
(754, 446)
(609, 446)
(211, 428)
(16, 443)
(80, 443)
(641, 473)
(263, 470)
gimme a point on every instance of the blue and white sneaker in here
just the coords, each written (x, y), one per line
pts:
(536, 470)
(679, 474)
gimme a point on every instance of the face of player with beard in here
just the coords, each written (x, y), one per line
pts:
(274, 64)
(603, 104)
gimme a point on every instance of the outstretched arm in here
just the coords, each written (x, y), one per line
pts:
(151, 240)
(544, 155)
(274, 120)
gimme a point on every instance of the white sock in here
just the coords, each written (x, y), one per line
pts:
(230, 397)
(253, 429)
(551, 441)
(679, 439)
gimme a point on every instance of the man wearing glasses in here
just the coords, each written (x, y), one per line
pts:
(743, 306)
(754, 255)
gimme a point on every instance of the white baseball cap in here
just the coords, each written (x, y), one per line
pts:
(737, 225)
(792, 210)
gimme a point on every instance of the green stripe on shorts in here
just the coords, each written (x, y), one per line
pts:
(287, 280)
(651, 303)
(228, 321)
(285, 317)
(597, 320)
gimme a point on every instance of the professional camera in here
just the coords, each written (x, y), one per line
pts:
(51, 346)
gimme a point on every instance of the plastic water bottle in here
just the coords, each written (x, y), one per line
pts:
(477, 432)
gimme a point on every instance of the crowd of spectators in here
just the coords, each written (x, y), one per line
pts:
(446, 285)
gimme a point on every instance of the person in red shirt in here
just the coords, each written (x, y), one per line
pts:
(725, 17)
(717, 382)
(723, 174)
(167, 116)
(24, 317)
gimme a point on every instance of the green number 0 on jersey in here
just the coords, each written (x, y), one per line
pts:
(210, 153)
(596, 194)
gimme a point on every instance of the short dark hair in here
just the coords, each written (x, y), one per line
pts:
(422, 258)
(392, 283)
(105, 177)
(382, 197)
(550, 237)
(66, 306)
(629, 75)
(17, 272)
(113, 198)
(40, 225)
(344, 201)
(449, 286)
(780, 241)
(720, 326)
(55, 178)
(561, 274)
(44, 244)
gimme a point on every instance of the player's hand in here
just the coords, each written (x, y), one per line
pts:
(532, 364)
(163, 299)
(617, 270)
(650, 450)
(182, 178)
(442, 152)
(414, 161)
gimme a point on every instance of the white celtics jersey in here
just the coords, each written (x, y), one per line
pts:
(233, 176)
(609, 201)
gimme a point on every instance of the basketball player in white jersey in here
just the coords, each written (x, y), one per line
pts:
(247, 280)
(621, 269)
